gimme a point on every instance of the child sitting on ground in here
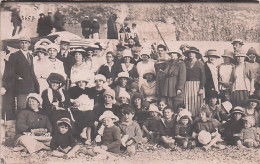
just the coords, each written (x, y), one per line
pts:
(248, 137)
(233, 127)
(204, 131)
(152, 125)
(183, 131)
(167, 129)
(63, 143)
(111, 139)
(130, 130)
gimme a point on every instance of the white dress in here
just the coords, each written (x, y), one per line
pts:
(40, 68)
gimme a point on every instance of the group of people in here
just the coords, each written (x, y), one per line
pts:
(112, 101)
(90, 29)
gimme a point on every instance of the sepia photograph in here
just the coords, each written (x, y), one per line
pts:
(130, 82)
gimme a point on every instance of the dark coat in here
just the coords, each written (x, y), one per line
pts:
(172, 79)
(21, 76)
(95, 27)
(86, 28)
(112, 32)
(15, 18)
(48, 25)
(104, 70)
(209, 84)
(41, 27)
(68, 62)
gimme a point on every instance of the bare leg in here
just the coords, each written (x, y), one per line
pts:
(73, 151)
(213, 141)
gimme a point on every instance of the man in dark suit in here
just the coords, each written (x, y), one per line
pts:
(21, 76)
(65, 56)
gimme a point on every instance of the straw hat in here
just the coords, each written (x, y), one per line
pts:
(127, 53)
(44, 40)
(228, 53)
(238, 109)
(109, 92)
(227, 106)
(204, 137)
(64, 120)
(80, 50)
(212, 53)
(123, 75)
(237, 41)
(174, 51)
(40, 48)
(145, 51)
(240, 53)
(36, 96)
(25, 38)
(108, 114)
(153, 108)
(54, 46)
(183, 113)
(100, 77)
(123, 93)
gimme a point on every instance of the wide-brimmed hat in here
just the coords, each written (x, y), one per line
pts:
(212, 53)
(240, 53)
(80, 50)
(237, 41)
(25, 38)
(123, 93)
(227, 106)
(108, 114)
(184, 45)
(100, 77)
(109, 92)
(146, 51)
(153, 108)
(36, 96)
(123, 75)
(183, 114)
(40, 48)
(204, 137)
(252, 50)
(44, 40)
(174, 51)
(56, 78)
(127, 53)
(238, 109)
(149, 71)
(193, 49)
(64, 120)
(253, 98)
(54, 46)
(228, 53)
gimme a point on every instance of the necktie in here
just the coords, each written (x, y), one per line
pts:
(29, 59)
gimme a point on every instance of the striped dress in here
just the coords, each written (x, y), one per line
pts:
(195, 81)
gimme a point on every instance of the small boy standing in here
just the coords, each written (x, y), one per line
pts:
(248, 136)
(130, 129)
(63, 143)
(111, 139)
(152, 125)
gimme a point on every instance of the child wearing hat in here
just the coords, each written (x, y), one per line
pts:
(130, 130)
(233, 126)
(152, 124)
(248, 137)
(63, 143)
(203, 126)
(183, 131)
(55, 99)
(123, 98)
(250, 109)
(123, 82)
(224, 71)
(167, 128)
(111, 139)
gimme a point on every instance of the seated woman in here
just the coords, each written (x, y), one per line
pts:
(55, 99)
(82, 108)
(148, 88)
(32, 119)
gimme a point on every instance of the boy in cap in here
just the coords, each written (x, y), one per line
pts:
(63, 143)
(237, 44)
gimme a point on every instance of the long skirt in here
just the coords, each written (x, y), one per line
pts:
(192, 100)
(239, 98)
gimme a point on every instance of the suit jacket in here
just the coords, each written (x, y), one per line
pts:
(21, 76)
(115, 69)
(68, 62)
